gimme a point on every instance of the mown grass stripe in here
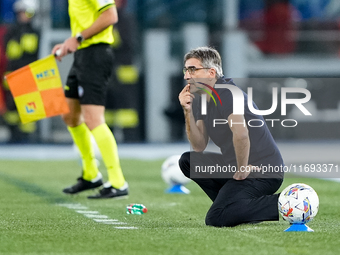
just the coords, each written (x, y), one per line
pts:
(34, 189)
(51, 197)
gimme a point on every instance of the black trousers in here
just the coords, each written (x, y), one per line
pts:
(234, 202)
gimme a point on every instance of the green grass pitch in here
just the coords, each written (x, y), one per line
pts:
(37, 218)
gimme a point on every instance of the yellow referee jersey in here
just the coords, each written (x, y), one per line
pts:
(83, 13)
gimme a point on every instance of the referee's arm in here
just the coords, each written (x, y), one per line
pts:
(105, 19)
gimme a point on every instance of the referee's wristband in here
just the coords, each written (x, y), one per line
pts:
(79, 37)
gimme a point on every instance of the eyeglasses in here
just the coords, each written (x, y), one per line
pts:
(192, 69)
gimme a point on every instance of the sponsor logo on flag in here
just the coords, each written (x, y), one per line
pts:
(30, 107)
(37, 90)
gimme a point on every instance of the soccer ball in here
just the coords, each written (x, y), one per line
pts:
(298, 203)
(171, 172)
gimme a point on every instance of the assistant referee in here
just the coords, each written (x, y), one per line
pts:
(85, 90)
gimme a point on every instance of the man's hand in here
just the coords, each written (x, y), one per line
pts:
(185, 98)
(69, 46)
(243, 172)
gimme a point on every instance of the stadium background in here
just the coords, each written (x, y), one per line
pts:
(305, 53)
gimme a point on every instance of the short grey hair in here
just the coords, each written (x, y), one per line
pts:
(209, 57)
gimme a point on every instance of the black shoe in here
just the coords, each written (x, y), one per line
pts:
(82, 185)
(111, 192)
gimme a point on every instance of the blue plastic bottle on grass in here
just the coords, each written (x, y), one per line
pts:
(136, 209)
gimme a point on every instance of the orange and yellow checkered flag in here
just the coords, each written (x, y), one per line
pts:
(37, 90)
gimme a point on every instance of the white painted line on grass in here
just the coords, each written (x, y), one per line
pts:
(126, 227)
(95, 216)
(74, 206)
(88, 212)
(115, 223)
(104, 220)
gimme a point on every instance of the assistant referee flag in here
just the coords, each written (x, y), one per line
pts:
(37, 90)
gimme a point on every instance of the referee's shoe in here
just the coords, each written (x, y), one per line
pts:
(83, 185)
(110, 192)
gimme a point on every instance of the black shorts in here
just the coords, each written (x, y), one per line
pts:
(88, 79)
